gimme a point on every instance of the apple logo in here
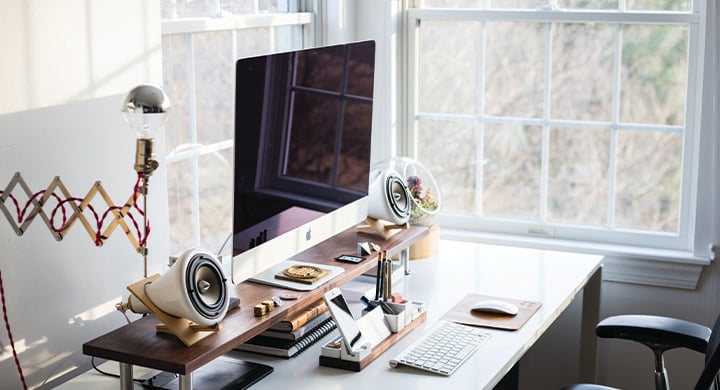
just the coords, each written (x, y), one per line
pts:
(308, 235)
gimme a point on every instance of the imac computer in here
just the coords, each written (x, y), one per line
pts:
(303, 122)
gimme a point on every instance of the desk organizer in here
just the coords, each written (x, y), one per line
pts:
(334, 354)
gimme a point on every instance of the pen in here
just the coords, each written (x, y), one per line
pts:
(378, 276)
(388, 276)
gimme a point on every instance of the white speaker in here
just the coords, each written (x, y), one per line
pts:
(194, 287)
(388, 197)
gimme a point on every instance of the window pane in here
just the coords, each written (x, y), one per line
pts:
(578, 176)
(255, 41)
(511, 179)
(582, 71)
(654, 74)
(448, 66)
(180, 204)
(659, 5)
(518, 4)
(453, 3)
(449, 151)
(215, 194)
(176, 77)
(648, 180)
(189, 8)
(514, 69)
(214, 86)
(636, 5)
(588, 4)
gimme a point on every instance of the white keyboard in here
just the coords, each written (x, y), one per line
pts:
(442, 348)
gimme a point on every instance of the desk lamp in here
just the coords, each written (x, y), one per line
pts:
(145, 109)
(194, 287)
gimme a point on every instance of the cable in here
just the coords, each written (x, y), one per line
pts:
(110, 374)
(219, 252)
(96, 368)
(9, 332)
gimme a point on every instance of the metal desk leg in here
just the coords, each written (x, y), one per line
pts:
(405, 260)
(126, 376)
(185, 381)
(590, 318)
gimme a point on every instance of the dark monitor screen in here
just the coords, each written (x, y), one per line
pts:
(303, 123)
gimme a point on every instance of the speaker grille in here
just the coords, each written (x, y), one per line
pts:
(397, 196)
(206, 286)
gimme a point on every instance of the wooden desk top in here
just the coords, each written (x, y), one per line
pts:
(138, 343)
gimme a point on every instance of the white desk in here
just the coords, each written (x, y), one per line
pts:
(553, 278)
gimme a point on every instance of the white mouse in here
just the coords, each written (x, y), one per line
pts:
(495, 307)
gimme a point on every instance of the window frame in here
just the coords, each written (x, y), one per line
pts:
(690, 245)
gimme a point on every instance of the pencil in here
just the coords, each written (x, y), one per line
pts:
(378, 285)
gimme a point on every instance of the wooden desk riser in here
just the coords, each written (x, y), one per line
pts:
(139, 344)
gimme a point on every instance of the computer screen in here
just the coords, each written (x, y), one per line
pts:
(303, 123)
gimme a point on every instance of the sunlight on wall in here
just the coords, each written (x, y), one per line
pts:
(20, 347)
(96, 312)
(67, 50)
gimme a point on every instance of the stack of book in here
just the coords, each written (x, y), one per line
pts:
(291, 336)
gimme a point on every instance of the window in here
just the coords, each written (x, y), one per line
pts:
(201, 42)
(571, 119)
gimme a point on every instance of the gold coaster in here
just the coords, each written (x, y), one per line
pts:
(302, 271)
(307, 274)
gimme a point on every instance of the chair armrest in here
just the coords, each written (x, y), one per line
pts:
(655, 331)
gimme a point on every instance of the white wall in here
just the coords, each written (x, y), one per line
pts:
(59, 51)
(66, 66)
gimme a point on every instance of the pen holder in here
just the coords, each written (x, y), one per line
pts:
(396, 322)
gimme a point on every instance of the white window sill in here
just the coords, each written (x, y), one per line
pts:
(624, 264)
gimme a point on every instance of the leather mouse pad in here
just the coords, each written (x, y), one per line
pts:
(461, 313)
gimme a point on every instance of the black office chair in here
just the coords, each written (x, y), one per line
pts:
(661, 334)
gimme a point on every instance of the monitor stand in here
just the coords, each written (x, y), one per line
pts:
(224, 372)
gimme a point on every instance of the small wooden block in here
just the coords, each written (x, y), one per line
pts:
(269, 305)
(259, 310)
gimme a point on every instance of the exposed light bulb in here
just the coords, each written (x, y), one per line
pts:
(145, 109)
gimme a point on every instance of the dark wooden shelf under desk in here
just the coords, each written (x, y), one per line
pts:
(138, 343)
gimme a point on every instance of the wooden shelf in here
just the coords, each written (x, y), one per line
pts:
(138, 343)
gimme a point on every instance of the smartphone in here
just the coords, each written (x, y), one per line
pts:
(350, 259)
(344, 319)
